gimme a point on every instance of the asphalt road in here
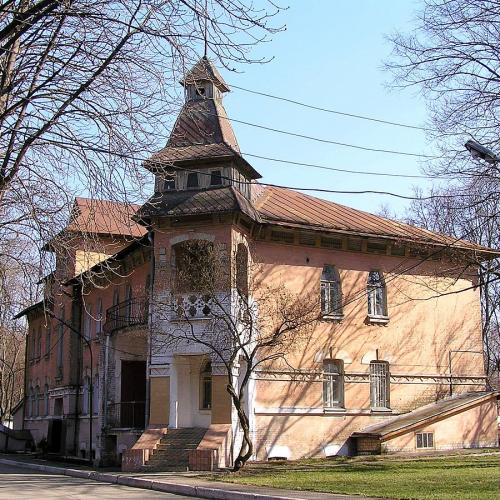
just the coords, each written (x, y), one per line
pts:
(21, 483)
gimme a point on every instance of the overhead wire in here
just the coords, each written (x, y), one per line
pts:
(333, 111)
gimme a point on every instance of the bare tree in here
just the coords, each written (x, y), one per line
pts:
(247, 325)
(453, 57)
(12, 333)
(476, 216)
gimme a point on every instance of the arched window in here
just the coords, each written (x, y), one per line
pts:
(87, 322)
(37, 401)
(46, 398)
(116, 296)
(48, 340)
(85, 397)
(30, 403)
(194, 266)
(95, 395)
(242, 270)
(39, 343)
(99, 317)
(128, 303)
(331, 292)
(379, 385)
(333, 383)
(60, 344)
(206, 386)
(377, 297)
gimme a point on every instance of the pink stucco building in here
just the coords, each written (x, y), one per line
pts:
(394, 364)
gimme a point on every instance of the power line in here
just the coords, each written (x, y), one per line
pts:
(347, 171)
(327, 141)
(334, 111)
(280, 186)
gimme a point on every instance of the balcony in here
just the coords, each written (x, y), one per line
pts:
(132, 312)
(192, 306)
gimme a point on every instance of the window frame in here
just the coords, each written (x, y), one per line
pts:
(425, 437)
(206, 381)
(333, 382)
(192, 175)
(331, 293)
(380, 387)
(377, 298)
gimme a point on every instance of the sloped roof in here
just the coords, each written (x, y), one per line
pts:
(182, 203)
(289, 207)
(421, 416)
(104, 217)
(204, 69)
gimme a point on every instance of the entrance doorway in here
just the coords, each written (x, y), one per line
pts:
(133, 394)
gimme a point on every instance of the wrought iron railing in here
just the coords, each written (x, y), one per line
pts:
(127, 414)
(192, 306)
(132, 312)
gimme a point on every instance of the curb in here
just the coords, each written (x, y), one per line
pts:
(148, 484)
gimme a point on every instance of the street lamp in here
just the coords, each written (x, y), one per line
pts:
(481, 152)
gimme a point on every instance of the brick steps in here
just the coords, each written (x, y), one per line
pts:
(172, 453)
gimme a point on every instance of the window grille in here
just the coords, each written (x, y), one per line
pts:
(307, 239)
(376, 247)
(333, 383)
(424, 440)
(354, 245)
(282, 236)
(379, 384)
(377, 301)
(331, 243)
(331, 292)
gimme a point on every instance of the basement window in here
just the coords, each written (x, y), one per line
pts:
(424, 440)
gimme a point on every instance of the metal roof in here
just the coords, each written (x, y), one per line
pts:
(421, 416)
(289, 207)
(204, 69)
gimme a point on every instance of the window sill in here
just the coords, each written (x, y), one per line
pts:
(205, 411)
(339, 410)
(378, 320)
(380, 410)
(332, 317)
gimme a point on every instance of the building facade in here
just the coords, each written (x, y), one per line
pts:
(394, 361)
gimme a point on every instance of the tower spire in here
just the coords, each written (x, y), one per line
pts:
(205, 35)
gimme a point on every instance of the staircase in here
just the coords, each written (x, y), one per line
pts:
(173, 451)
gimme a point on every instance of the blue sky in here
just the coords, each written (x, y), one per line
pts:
(331, 55)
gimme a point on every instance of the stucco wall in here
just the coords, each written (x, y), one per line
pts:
(474, 428)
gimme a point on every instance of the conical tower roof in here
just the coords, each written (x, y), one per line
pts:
(204, 70)
(202, 131)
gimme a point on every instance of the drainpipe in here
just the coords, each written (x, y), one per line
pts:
(150, 291)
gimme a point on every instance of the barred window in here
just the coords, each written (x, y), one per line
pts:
(379, 385)
(377, 295)
(333, 383)
(331, 292)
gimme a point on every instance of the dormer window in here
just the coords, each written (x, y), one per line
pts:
(215, 178)
(192, 180)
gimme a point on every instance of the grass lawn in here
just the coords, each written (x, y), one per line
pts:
(460, 477)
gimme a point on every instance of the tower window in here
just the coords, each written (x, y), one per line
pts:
(200, 91)
(192, 180)
(169, 183)
(215, 178)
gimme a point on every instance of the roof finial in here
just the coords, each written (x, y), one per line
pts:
(205, 37)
